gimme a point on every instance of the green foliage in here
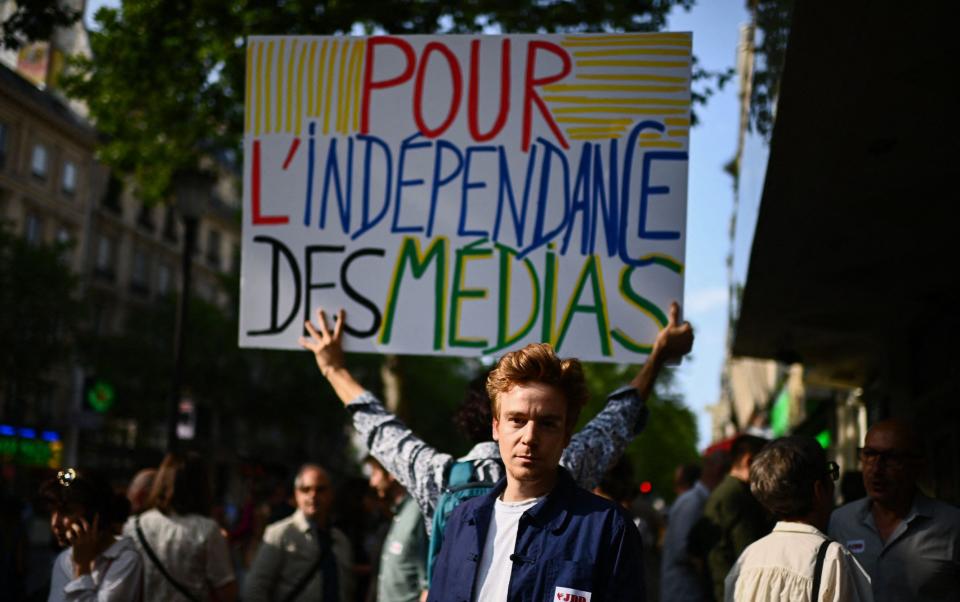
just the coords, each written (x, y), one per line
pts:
(38, 314)
(772, 21)
(34, 20)
(670, 438)
(167, 80)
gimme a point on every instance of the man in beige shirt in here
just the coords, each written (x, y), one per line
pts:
(302, 557)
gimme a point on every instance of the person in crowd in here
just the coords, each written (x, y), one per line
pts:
(732, 517)
(185, 552)
(680, 578)
(908, 543)
(363, 518)
(793, 480)
(303, 557)
(423, 471)
(139, 489)
(96, 565)
(537, 535)
(402, 575)
(685, 477)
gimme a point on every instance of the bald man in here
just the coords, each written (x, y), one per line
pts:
(908, 543)
(139, 489)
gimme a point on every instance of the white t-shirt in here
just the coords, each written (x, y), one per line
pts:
(493, 578)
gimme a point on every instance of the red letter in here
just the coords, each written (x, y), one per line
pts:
(418, 89)
(473, 104)
(530, 95)
(370, 85)
(258, 219)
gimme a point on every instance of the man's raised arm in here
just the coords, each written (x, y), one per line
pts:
(416, 465)
(596, 447)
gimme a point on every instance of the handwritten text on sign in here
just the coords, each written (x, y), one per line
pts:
(466, 194)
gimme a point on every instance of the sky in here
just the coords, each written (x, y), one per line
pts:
(715, 25)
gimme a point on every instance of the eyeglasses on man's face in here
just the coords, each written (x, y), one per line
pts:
(833, 471)
(893, 457)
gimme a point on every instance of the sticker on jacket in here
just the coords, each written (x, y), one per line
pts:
(565, 594)
(856, 545)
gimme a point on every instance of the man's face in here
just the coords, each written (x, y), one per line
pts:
(314, 495)
(380, 480)
(531, 429)
(890, 465)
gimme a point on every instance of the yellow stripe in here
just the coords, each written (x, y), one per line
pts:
(293, 58)
(676, 121)
(310, 63)
(595, 130)
(629, 36)
(329, 88)
(248, 75)
(303, 56)
(341, 90)
(362, 44)
(322, 62)
(661, 144)
(650, 136)
(283, 42)
(624, 110)
(611, 88)
(637, 42)
(259, 88)
(598, 136)
(613, 101)
(353, 74)
(597, 120)
(266, 86)
(677, 133)
(631, 63)
(630, 51)
(669, 79)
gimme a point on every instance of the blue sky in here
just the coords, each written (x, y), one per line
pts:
(715, 25)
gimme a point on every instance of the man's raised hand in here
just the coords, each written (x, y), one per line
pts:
(676, 338)
(326, 346)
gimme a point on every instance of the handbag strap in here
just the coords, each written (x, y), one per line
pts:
(156, 562)
(292, 595)
(818, 568)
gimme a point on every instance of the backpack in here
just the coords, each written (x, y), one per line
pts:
(461, 485)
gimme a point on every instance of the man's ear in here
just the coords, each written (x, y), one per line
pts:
(495, 429)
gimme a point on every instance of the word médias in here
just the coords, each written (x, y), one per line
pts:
(436, 271)
(556, 197)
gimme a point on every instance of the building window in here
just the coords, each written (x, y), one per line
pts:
(69, 182)
(33, 229)
(163, 279)
(4, 135)
(213, 248)
(38, 161)
(104, 263)
(138, 275)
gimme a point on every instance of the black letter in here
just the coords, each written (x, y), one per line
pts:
(353, 294)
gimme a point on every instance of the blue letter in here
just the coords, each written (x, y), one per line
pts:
(366, 222)
(438, 181)
(467, 185)
(401, 183)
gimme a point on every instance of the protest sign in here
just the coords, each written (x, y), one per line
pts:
(466, 195)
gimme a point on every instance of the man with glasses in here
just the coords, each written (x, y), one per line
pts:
(908, 543)
(302, 557)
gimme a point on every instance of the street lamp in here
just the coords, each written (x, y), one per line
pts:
(192, 191)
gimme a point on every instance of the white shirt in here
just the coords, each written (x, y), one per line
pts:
(192, 550)
(493, 577)
(116, 576)
(780, 567)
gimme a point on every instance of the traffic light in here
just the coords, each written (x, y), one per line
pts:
(98, 394)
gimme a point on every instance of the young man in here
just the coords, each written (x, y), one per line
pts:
(423, 471)
(536, 535)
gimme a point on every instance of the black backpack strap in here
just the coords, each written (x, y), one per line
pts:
(818, 568)
(156, 562)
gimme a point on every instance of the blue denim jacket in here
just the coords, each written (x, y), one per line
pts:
(571, 540)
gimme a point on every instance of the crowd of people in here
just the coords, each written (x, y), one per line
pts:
(534, 511)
